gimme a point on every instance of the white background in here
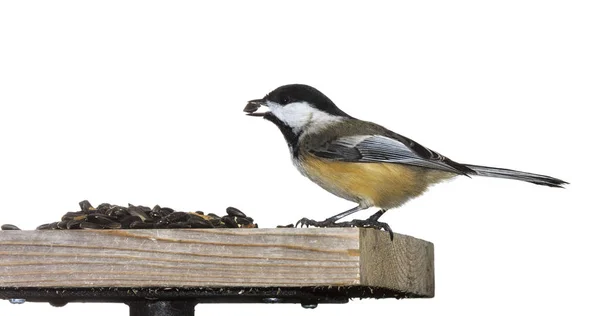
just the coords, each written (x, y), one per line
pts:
(141, 102)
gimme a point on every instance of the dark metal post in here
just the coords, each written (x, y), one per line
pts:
(161, 308)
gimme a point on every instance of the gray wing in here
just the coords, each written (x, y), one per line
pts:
(380, 148)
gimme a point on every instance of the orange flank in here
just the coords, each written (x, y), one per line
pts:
(385, 185)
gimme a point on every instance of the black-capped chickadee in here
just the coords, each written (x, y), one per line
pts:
(361, 161)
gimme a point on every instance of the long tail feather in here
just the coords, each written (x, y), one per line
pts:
(517, 175)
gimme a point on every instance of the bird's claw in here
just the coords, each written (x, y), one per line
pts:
(311, 222)
(368, 223)
(365, 223)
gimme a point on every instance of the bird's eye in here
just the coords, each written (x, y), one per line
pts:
(285, 100)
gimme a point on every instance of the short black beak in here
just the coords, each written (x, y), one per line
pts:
(253, 106)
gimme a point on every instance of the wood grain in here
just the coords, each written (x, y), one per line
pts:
(406, 264)
(216, 258)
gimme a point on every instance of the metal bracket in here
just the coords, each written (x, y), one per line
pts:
(161, 308)
(181, 301)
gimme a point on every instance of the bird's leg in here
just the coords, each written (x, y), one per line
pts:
(329, 222)
(371, 222)
(377, 215)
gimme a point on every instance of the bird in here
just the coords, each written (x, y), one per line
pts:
(361, 161)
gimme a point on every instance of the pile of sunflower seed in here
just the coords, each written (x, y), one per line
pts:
(108, 216)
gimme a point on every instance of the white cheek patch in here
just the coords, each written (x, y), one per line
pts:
(301, 116)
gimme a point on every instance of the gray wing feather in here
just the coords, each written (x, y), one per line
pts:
(379, 148)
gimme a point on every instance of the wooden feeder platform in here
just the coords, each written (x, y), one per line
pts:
(169, 271)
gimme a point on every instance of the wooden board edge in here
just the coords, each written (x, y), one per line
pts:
(405, 264)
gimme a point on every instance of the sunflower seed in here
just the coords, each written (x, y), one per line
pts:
(213, 215)
(166, 211)
(132, 210)
(242, 220)
(229, 222)
(180, 225)
(177, 217)
(86, 206)
(9, 227)
(90, 225)
(146, 210)
(102, 220)
(103, 207)
(116, 212)
(235, 212)
(199, 216)
(200, 223)
(155, 215)
(74, 224)
(217, 223)
(141, 225)
(62, 224)
(44, 226)
(111, 225)
(127, 220)
(72, 215)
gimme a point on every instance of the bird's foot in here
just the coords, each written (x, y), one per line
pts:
(330, 222)
(368, 223)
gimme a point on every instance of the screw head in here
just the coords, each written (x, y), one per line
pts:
(272, 300)
(16, 300)
(58, 303)
(309, 305)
